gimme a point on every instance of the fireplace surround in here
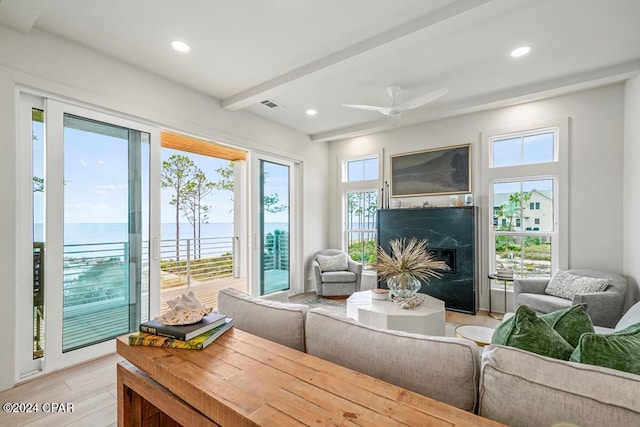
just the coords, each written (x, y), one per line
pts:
(451, 235)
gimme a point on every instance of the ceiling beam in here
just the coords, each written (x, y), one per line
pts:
(274, 86)
(20, 15)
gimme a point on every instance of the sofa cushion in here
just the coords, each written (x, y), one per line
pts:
(279, 322)
(566, 285)
(523, 389)
(542, 303)
(570, 322)
(525, 330)
(619, 350)
(333, 262)
(445, 369)
(338, 277)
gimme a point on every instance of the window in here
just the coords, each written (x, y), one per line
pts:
(524, 176)
(361, 226)
(362, 169)
(524, 148)
(360, 186)
(525, 250)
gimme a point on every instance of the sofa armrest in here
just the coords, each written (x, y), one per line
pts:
(317, 275)
(356, 268)
(530, 286)
(604, 308)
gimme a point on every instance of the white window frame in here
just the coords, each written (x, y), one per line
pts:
(346, 187)
(558, 170)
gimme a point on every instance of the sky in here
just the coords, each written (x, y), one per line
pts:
(96, 178)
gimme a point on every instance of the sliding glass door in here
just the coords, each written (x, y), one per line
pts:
(92, 221)
(275, 243)
(274, 227)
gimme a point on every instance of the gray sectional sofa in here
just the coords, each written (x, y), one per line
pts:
(505, 384)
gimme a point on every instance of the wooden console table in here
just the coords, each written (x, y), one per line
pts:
(245, 380)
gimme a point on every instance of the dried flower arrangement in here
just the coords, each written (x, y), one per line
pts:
(409, 258)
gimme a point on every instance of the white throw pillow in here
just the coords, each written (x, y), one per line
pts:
(333, 262)
(566, 285)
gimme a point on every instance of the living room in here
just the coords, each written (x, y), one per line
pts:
(596, 109)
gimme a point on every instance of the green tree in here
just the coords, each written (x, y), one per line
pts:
(195, 211)
(176, 173)
(513, 207)
(38, 184)
(270, 203)
(226, 178)
(226, 183)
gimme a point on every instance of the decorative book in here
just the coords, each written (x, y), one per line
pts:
(183, 332)
(197, 343)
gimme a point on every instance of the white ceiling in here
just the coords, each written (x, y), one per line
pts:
(320, 54)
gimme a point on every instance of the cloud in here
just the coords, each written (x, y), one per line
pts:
(83, 163)
(101, 162)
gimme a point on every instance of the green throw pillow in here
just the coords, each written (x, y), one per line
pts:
(526, 331)
(618, 350)
(570, 322)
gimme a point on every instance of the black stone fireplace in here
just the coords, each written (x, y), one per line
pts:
(451, 236)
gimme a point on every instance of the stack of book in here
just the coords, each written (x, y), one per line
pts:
(195, 336)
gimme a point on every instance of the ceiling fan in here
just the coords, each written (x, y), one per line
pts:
(395, 110)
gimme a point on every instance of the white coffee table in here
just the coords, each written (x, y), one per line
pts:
(427, 318)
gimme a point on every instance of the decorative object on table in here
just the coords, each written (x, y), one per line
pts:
(407, 264)
(183, 332)
(380, 294)
(426, 204)
(184, 310)
(197, 343)
(431, 172)
(186, 319)
(455, 200)
(410, 302)
(504, 272)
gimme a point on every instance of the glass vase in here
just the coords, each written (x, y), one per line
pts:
(404, 285)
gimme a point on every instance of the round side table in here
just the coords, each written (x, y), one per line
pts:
(481, 335)
(504, 282)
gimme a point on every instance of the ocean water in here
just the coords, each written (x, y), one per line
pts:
(87, 233)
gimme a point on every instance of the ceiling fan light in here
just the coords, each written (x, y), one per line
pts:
(311, 112)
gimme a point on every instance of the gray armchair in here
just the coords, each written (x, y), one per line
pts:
(337, 283)
(605, 308)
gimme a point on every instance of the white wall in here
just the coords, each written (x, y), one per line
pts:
(595, 167)
(631, 187)
(65, 70)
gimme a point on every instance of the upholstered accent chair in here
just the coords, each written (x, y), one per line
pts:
(605, 308)
(335, 273)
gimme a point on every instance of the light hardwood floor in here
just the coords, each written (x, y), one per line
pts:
(91, 388)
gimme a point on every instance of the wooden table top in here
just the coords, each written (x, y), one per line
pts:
(244, 380)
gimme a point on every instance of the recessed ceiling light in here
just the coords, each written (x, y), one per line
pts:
(180, 46)
(521, 51)
(311, 112)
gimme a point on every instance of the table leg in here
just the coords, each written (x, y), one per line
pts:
(497, 316)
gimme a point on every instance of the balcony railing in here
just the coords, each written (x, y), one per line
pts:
(186, 260)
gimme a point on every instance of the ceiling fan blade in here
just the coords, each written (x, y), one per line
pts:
(382, 110)
(421, 100)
